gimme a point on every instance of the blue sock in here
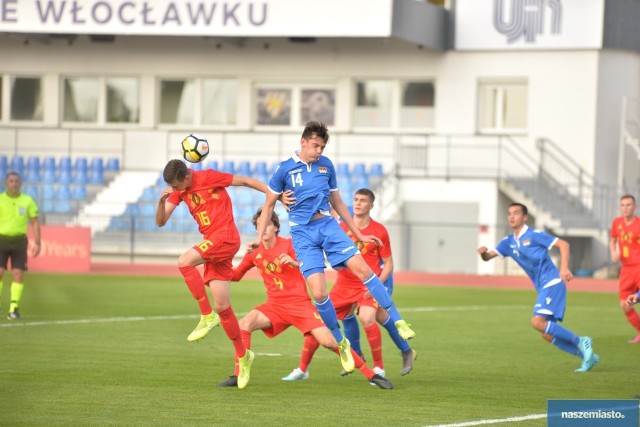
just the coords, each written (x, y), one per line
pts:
(352, 332)
(328, 315)
(379, 293)
(567, 346)
(395, 336)
(563, 333)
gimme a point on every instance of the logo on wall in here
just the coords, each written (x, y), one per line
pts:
(526, 18)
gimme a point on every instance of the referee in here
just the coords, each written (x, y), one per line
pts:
(17, 210)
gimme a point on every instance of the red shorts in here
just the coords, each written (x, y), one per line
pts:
(218, 251)
(629, 281)
(303, 316)
(344, 297)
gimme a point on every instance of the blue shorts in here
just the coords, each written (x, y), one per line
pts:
(322, 236)
(551, 302)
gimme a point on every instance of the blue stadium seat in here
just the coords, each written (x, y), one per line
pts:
(64, 163)
(4, 161)
(31, 190)
(17, 164)
(359, 169)
(376, 169)
(343, 169)
(113, 164)
(147, 209)
(260, 168)
(62, 203)
(33, 174)
(49, 163)
(148, 195)
(244, 168)
(247, 229)
(79, 192)
(64, 177)
(244, 195)
(229, 166)
(359, 181)
(97, 164)
(80, 176)
(81, 165)
(211, 164)
(48, 175)
(96, 171)
(195, 166)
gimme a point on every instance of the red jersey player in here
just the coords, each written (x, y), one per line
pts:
(625, 247)
(288, 303)
(208, 201)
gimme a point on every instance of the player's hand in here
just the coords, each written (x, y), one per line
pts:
(371, 239)
(631, 300)
(615, 256)
(482, 250)
(566, 274)
(165, 194)
(286, 259)
(253, 245)
(287, 199)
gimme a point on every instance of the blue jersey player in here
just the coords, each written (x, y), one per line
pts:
(312, 178)
(529, 248)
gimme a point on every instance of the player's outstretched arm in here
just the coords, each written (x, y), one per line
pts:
(343, 212)
(267, 210)
(485, 253)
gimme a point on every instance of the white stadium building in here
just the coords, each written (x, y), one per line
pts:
(450, 110)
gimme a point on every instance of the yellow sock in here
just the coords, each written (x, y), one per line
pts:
(16, 295)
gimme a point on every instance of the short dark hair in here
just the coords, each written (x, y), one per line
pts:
(366, 192)
(12, 173)
(274, 219)
(319, 128)
(175, 170)
(525, 211)
(628, 196)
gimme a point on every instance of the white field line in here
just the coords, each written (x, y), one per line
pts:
(495, 421)
(192, 316)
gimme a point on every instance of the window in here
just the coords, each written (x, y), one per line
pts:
(374, 103)
(199, 101)
(274, 106)
(417, 109)
(26, 99)
(123, 100)
(219, 101)
(318, 105)
(502, 107)
(177, 101)
(81, 99)
(101, 100)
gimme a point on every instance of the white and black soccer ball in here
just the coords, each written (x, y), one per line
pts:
(194, 148)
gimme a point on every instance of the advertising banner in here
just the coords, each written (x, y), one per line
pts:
(63, 249)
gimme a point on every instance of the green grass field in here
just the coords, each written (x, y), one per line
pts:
(112, 351)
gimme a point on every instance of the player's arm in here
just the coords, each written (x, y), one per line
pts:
(164, 208)
(613, 249)
(35, 228)
(263, 220)
(343, 212)
(285, 198)
(486, 254)
(245, 265)
(632, 299)
(285, 258)
(387, 269)
(563, 246)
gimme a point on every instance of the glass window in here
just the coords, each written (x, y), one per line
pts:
(26, 99)
(374, 103)
(219, 101)
(177, 101)
(274, 107)
(319, 105)
(502, 107)
(81, 96)
(123, 100)
(418, 100)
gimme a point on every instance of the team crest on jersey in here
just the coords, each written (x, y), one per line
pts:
(322, 169)
(526, 242)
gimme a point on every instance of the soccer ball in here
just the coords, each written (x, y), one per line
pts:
(194, 148)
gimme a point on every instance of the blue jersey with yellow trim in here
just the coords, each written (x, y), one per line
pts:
(531, 251)
(311, 184)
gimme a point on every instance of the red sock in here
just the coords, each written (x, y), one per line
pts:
(375, 342)
(308, 350)
(230, 325)
(362, 367)
(246, 340)
(633, 318)
(194, 282)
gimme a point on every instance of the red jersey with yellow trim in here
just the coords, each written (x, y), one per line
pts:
(284, 283)
(628, 236)
(371, 252)
(208, 201)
